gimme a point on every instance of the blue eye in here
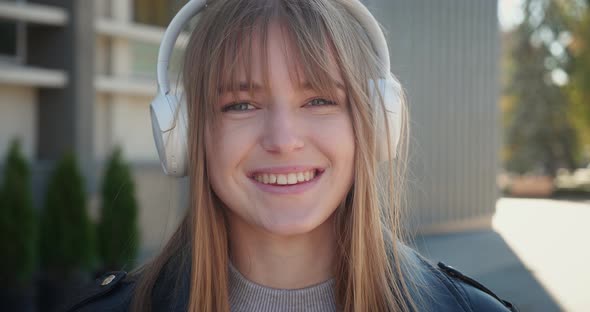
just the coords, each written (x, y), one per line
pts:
(238, 107)
(320, 102)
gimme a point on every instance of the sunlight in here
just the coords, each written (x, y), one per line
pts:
(509, 14)
(550, 238)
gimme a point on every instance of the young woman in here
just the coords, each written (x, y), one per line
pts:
(295, 138)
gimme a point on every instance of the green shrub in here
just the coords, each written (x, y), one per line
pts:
(67, 240)
(117, 230)
(18, 221)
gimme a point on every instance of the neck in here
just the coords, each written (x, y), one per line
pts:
(285, 262)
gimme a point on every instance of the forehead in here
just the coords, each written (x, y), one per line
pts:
(273, 53)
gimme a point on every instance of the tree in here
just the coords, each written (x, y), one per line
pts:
(67, 243)
(117, 230)
(578, 89)
(538, 133)
(18, 221)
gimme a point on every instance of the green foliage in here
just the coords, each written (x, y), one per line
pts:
(538, 134)
(579, 74)
(118, 230)
(18, 220)
(67, 243)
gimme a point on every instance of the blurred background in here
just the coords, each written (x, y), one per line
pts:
(499, 183)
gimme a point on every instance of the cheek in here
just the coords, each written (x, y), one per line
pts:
(335, 136)
(226, 148)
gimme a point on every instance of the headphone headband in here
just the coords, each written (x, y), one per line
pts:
(188, 11)
(371, 26)
(193, 7)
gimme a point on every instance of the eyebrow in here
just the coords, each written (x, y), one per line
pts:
(244, 86)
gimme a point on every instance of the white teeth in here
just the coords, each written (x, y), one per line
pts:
(292, 178)
(284, 179)
(281, 179)
(300, 177)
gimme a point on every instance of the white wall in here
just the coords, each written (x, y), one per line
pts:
(18, 111)
(125, 121)
(162, 207)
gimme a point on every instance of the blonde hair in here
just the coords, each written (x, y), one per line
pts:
(373, 273)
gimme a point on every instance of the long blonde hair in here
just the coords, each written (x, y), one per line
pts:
(372, 272)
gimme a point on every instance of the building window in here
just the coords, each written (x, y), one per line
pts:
(8, 34)
(12, 40)
(156, 12)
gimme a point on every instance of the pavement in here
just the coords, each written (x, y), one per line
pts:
(536, 255)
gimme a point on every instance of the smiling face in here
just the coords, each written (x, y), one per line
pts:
(280, 158)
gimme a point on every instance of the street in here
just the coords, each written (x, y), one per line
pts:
(536, 256)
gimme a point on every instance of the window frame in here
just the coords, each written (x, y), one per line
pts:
(19, 57)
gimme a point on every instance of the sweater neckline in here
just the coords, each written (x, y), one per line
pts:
(238, 279)
(247, 296)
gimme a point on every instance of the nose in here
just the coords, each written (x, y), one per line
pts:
(282, 132)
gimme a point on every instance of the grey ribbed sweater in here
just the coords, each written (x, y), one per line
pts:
(247, 296)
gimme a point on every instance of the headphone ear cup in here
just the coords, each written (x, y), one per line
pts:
(390, 91)
(169, 127)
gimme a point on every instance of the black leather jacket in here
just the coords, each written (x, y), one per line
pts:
(448, 289)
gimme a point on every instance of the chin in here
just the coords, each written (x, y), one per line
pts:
(294, 226)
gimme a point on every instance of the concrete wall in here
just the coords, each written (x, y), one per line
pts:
(18, 118)
(446, 55)
(163, 201)
(125, 121)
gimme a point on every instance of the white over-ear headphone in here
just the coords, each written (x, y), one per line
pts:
(169, 113)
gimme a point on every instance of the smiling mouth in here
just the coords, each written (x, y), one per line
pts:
(287, 179)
